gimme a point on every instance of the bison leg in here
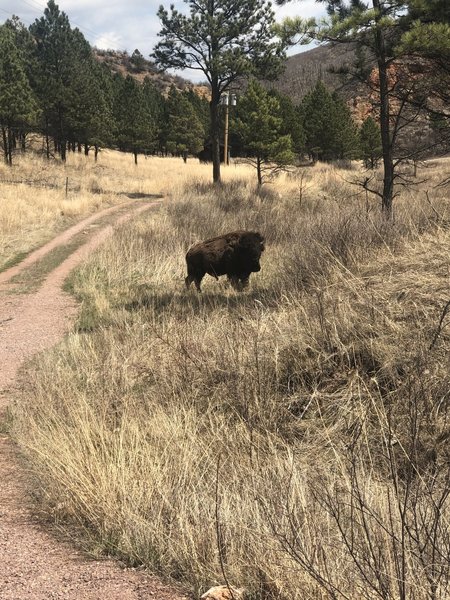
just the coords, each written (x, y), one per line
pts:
(190, 278)
(237, 283)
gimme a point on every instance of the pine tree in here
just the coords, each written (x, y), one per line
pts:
(137, 61)
(155, 107)
(330, 130)
(135, 128)
(18, 107)
(291, 121)
(388, 30)
(259, 122)
(89, 115)
(345, 144)
(225, 40)
(370, 143)
(62, 57)
(185, 130)
(318, 122)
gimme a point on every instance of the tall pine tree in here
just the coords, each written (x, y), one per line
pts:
(135, 128)
(18, 108)
(62, 57)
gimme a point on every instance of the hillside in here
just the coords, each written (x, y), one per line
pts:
(139, 67)
(327, 63)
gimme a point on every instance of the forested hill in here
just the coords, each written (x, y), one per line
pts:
(139, 68)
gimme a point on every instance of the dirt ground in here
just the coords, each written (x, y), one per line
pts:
(35, 564)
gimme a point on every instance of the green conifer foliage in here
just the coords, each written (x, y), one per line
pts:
(62, 57)
(329, 128)
(18, 107)
(135, 127)
(185, 129)
(370, 143)
(259, 123)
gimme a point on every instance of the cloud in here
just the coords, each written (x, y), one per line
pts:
(110, 40)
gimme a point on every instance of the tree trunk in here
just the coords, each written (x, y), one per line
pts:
(10, 143)
(215, 132)
(95, 152)
(63, 150)
(386, 141)
(258, 170)
(135, 157)
(86, 149)
(5, 144)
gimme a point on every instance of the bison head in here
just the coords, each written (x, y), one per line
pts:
(250, 248)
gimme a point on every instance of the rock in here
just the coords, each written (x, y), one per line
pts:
(221, 592)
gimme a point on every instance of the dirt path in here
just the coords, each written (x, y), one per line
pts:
(34, 565)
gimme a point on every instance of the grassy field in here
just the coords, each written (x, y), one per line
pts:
(34, 205)
(292, 439)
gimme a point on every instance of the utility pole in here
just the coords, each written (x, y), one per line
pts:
(225, 137)
(227, 100)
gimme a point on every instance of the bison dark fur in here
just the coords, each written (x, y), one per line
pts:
(234, 254)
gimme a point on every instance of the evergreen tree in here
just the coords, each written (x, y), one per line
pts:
(62, 56)
(200, 105)
(318, 122)
(345, 144)
(330, 130)
(155, 107)
(185, 130)
(370, 143)
(89, 115)
(135, 128)
(291, 121)
(137, 61)
(225, 40)
(259, 122)
(18, 107)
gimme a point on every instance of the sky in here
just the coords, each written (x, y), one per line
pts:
(128, 24)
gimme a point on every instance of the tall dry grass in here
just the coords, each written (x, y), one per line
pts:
(292, 439)
(34, 206)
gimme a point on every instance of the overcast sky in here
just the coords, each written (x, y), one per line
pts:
(126, 24)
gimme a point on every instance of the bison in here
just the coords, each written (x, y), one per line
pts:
(234, 254)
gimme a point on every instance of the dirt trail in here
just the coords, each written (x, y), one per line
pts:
(34, 565)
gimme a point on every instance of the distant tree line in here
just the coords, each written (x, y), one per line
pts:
(52, 84)
(273, 132)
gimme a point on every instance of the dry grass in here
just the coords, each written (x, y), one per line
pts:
(33, 201)
(295, 435)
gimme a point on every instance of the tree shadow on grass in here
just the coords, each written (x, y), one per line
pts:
(187, 302)
(141, 195)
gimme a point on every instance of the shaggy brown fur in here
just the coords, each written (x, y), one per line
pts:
(234, 254)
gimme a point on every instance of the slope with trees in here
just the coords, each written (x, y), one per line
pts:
(386, 31)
